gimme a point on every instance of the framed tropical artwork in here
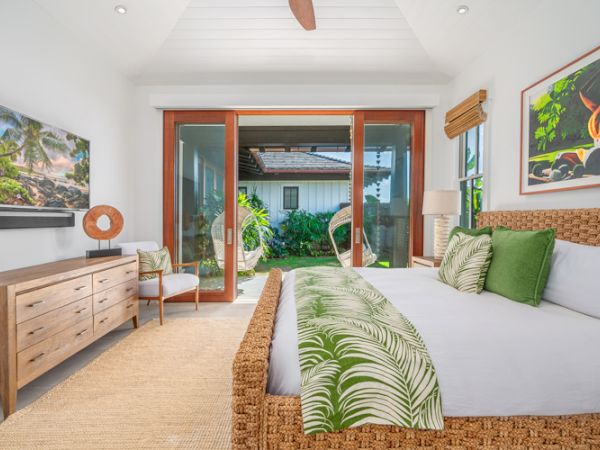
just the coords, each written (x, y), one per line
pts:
(560, 129)
(41, 166)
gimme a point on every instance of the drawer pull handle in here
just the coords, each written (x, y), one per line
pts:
(81, 333)
(103, 280)
(130, 306)
(103, 300)
(34, 304)
(129, 271)
(35, 358)
(81, 310)
(104, 320)
(128, 289)
(78, 288)
(36, 330)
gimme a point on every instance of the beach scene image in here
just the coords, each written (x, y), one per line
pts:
(41, 165)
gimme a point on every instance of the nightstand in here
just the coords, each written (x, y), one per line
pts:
(425, 261)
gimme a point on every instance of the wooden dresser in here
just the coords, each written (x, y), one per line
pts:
(51, 311)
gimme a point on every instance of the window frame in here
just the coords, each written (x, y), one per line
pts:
(295, 189)
(469, 221)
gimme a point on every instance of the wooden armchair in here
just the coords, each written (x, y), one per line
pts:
(163, 287)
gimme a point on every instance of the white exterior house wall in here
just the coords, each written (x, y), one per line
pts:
(313, 196)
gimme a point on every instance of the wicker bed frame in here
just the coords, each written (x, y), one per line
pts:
(265, 421)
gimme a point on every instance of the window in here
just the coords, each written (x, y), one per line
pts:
(290, 197)
(243, 190)
(471, 175)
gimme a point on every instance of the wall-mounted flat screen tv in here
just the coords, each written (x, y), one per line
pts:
(42, 166)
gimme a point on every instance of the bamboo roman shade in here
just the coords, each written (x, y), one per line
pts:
(466, 115)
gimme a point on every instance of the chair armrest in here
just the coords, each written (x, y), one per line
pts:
(194, 264)
(148, 272)
(159, 272)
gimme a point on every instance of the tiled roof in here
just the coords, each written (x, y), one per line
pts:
(301, 162)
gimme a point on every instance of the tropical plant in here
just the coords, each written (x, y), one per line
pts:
(81, 153)
(307, 234)
(31, 139)
(551, 127)
(12, 193)
(258, 232)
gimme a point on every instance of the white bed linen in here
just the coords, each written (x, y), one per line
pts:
(493, 356)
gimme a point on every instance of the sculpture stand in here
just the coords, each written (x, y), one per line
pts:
(102, 252)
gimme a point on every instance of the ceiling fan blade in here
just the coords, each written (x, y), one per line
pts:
(304, 12)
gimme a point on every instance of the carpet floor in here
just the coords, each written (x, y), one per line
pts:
(160, 387)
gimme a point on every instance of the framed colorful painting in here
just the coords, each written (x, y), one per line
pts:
(560, 129)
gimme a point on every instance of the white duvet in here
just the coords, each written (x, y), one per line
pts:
(493, 356)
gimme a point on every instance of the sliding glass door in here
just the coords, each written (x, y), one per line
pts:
(388, 187)
(200, 186)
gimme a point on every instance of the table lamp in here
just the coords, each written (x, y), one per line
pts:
(441, 203)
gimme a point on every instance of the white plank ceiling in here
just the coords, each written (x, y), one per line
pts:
(259, 41)
(261, 37)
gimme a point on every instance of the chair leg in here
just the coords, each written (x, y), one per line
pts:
(148, 304)
(160, 309)
(197, 295)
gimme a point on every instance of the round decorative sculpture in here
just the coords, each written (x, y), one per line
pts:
(90, 222)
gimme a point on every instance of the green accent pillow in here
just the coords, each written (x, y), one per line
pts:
(521, 264)
(466, 262)
(470, 231)
(154, 260)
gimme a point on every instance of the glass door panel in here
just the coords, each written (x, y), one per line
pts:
(388, 179)
(199, 197)
(200, 206)
(387, 193)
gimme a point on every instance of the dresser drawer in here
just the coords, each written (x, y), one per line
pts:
(117, 275)
(41, 357)
(114, 295)
(36, 330)
(40, 301)
(114, 316)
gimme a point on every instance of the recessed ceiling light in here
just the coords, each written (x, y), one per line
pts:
(462, 10)
(120, 9)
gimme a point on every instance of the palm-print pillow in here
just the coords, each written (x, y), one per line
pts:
(466, 262)
(154, 260)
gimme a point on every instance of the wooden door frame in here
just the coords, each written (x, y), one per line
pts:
(171, 118)
(360, 117)
(416, 118)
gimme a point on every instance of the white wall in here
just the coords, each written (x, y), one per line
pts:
(313, 196)
(528, 51)
(49, 75)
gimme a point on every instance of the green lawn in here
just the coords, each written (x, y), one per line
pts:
(295, 262)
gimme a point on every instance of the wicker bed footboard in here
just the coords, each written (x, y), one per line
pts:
(263, 421)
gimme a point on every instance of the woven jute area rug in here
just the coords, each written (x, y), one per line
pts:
(160, 387)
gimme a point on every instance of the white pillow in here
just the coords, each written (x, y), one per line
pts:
(572, 281)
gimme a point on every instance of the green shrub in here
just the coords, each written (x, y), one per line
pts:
(306, 234)
(8, 169)
(12, 193)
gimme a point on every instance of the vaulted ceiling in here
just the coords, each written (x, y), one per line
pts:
(259, 41)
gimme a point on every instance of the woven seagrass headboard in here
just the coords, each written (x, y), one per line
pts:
(576, 225)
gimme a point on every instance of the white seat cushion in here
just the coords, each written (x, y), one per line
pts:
(173, 284)
(131, 248)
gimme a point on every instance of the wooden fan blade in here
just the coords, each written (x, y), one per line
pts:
(304, 12)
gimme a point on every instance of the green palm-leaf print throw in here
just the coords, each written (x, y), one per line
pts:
(361, 361)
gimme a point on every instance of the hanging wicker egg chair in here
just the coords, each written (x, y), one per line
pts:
(246, 259)
(339, 219)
